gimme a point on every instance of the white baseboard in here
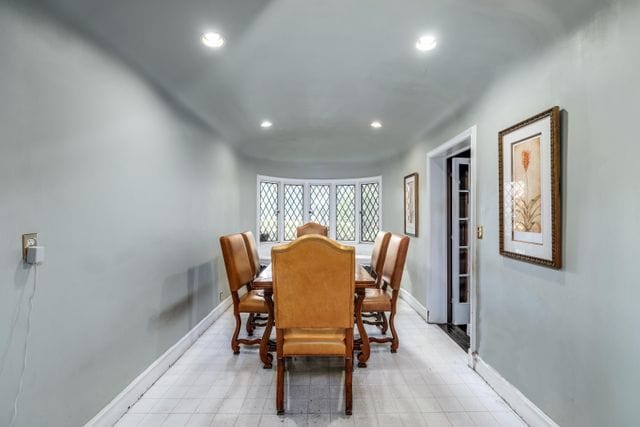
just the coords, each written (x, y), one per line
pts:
(111, 413)
(525, 408)
(414, 303)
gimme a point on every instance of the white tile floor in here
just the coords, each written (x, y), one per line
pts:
(426, 383)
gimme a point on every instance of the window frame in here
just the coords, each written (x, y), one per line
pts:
(279, 209)
(332, 183)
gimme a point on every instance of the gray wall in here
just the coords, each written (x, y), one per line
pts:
(316, 170)
(129, 196)
(566, 339)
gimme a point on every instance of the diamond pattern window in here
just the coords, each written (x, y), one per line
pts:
(350, 208)
(369, 211)
(293, 209)
(269, 211)
(346, 212)
(319, 204)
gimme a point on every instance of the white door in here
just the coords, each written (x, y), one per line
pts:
(460, 241)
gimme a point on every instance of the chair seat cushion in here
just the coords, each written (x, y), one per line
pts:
(376, 300)
(314, 342)
(253, 302)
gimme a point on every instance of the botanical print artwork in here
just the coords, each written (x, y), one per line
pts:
(411, 205)
(410, 210)
(527, 184)
(529, 207)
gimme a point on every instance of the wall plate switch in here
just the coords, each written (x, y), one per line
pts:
(29, 239)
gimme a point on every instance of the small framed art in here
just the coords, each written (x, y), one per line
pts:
(411, 200)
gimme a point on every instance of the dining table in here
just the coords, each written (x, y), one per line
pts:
(363, 281)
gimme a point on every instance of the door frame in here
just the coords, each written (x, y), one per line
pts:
(437, 230)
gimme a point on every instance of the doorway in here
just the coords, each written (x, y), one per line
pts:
(451, 287)
(458, 204)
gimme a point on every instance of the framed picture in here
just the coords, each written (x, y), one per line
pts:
(529, 193)
(411, 196)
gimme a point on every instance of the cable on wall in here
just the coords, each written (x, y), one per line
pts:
(14, 322)
(14, 415)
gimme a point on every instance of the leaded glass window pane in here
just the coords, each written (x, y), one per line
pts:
(293, 209)
(319, 199)
(268, 212)
(345, 212)
(369, 200)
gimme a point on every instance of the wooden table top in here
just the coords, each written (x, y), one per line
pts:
(363, 279)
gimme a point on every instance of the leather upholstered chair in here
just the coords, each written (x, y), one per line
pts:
(252, 251)
(378, 254)
(254, 257)
(375, 269)
(313, 285)
(240, 274)
(379, 300)
(312, 228)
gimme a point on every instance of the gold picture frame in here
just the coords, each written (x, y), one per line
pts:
(529, 190)
(411, 204)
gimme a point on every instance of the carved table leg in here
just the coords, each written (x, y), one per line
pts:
(265, 356)
(365, 348)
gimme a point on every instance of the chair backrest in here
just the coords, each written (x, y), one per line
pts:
(236, 261)
(252, 251)
(313, 283)
(394, 261)
(312, 228)
(379, 252)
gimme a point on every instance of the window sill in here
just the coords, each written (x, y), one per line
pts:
(363, 251)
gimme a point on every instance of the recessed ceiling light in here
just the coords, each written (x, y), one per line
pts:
(376, 124)
(266, 124)
(426, 43)
(213, 40)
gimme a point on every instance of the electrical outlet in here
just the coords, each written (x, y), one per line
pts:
(220, 297)
(28, 240)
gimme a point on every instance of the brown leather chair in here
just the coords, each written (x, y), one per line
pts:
(312, 228)
(378, 254)
(240, 274)
(379, 300)
(254, 257)
(313, 284)
(252, 251)
(375, 269)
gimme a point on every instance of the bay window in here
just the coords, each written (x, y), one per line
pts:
(350, 208)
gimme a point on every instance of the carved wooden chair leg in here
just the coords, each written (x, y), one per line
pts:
(379, 322)
(372, 322)
(348, 378)
(280, 365)
(348, 374)
(250, 324)
(394, 342)
(235, 346)
(280, 386)
(259, 317)
(385, 324)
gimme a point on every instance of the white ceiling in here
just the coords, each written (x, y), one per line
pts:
(322, 70)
